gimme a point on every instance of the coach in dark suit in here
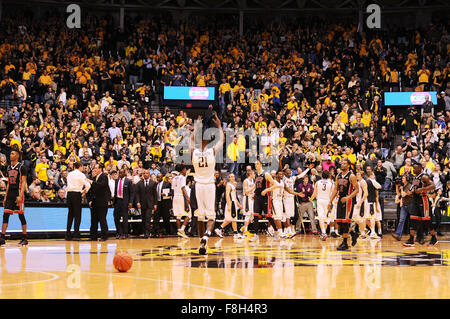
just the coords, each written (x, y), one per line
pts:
(123, 199)
(194, 207)
(164, 196)
(146, 198)
(99, 195)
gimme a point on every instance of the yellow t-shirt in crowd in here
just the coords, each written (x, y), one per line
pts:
(41, 171)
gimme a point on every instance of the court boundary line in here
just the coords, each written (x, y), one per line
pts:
(170, 281)
(54, 277)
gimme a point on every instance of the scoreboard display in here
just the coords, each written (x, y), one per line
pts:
(408, 98)
(189, 96)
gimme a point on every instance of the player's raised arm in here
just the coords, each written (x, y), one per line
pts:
(193, 134)
(192, 142)
(219, 145)
(302, 174)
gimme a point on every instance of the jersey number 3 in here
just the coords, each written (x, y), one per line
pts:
(324, 187)
(202, 162)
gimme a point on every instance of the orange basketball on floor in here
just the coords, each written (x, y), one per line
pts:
(123, 262)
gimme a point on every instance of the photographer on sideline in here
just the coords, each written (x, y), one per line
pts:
(405, 198)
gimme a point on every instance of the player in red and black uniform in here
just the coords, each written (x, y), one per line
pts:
(346, 189)
(14, 198)
(420, 215)
(261, 207)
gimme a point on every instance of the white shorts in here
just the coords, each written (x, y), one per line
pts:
(199, 218)
(357, 213)
(289, 207)
(248, 204)
(178, 207)
(371, 211)
(228, 215)
(322, 209)
(206, 200)
(277, 209)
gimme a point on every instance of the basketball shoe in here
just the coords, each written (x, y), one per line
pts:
(182, 233)
(409, 243)
(374, 235)
(203, 245)
(334, 235)
(248, 234)
(343, 245)
(433, 241)
(354, 237)
(219, 232)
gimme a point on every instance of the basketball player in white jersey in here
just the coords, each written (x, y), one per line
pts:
(231, 207)
(360, 208)
(248, 201)
(373, 204)
(204, 161)
(181, 202)
(289, 201)
(332, 213)
(277, 188)
(323, 190)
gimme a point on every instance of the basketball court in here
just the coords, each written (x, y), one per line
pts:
(303, 267)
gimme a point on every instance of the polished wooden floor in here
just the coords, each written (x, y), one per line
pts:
(303, 267)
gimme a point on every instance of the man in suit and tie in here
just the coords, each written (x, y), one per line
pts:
(123, 199)
(146, 198)
(99, 195)
(164, 196)
(77, 186)
(194, 207)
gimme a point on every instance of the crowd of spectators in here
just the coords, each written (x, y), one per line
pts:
(311, 91)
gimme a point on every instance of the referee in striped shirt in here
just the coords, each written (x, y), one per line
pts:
(77, 187)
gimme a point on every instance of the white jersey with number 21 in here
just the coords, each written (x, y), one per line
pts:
(204, 165)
